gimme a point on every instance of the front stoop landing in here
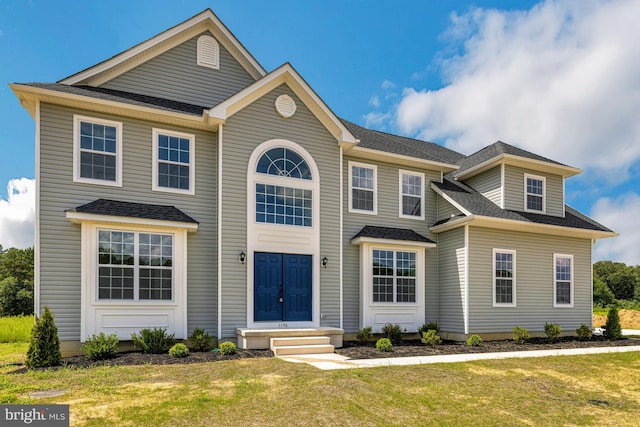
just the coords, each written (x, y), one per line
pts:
(301, 345)
(291, 341)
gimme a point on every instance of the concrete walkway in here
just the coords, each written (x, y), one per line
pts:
(335, 361)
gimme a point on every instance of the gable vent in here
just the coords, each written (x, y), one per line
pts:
(208, 52)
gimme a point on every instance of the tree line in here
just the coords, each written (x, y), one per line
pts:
(616, 284)
(16, 281)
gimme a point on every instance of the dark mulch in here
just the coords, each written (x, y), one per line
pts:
(356, 350)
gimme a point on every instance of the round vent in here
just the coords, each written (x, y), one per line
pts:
(285, 106)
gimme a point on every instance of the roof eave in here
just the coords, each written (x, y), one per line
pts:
(513, 160)
(381, 241)
(83, 217)
(372, 154)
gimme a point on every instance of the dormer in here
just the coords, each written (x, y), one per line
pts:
(517, 180)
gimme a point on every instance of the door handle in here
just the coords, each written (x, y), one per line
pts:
(280, 299)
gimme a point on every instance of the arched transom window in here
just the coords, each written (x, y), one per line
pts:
(283, 161)
(280, 197)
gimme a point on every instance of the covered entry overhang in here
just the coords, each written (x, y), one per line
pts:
(392, 276)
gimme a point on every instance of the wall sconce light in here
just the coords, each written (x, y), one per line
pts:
(242, 257)
(324, 262)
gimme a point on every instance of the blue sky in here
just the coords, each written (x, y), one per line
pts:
(558, 78)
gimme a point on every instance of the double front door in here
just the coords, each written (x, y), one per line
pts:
(282, 287)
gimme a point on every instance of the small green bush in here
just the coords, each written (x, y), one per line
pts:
(179, 350)
(613, 329)
(44, 348)
(431, 326)
(153, 341)
(474, 341)
(364, 334)
(431, 338)
(101, 346)
(228, 348)
(584, 332)
(200, 340)
(384, 344)
(393, 332)
(520, 335)
(553, 331)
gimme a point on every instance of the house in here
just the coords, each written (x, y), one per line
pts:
(181, 185)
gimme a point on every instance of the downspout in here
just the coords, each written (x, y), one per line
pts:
(36, 244)
(341, 242)
(466, 279)
(220, 230)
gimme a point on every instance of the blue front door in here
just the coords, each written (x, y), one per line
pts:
(282, 287)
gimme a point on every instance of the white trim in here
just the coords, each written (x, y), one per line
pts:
(555, 303)
(450, 200)
(80, 217)
(503, 184)
(36, 243)
(76, 151)
(523, 162)
(219, 226)
(544, 193)
(202, 59)
(379, 241)
(282, 238)
(406, 161)
(564, 206)
(513, 278)
(341, 237)
(351, 164)
(420, 175)
(156, 132)
(466, 278)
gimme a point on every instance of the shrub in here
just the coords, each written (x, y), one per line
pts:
(101, 346)
(474, 341)
(584, 332)
(384, 344)
(613, 329)
(16, 298)
(431, 338)
(364, 334)
(393, 332)
(200, 340)
(552, 330)
(431, 326)
(153, 341)
(44, 348)
(228, 348)
(179, 350)
(520, 335)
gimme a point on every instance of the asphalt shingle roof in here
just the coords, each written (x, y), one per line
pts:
(392, 234)
(477, 204)
(124, 97)
(135, 210)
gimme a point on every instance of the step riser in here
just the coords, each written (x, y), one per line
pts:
(279, 342)
(310, 349)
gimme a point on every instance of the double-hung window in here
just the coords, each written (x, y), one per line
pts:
(563, 280)
(534, 193)
(394, 276)
(411, 195)
(135, 266)
(173, 161)
(504, 277)
(97, 151)
(362, 188)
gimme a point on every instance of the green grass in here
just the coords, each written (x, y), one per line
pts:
(576, 390)
(15, 328)
(600, 311)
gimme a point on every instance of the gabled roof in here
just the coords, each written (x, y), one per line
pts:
(372, 233)
(500, 152)
(478, 208)
(134, 210)
(131, 58)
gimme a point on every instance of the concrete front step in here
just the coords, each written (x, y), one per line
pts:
(293, 341)
(289, 350)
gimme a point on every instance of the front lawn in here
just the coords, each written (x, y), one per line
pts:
(576, 390)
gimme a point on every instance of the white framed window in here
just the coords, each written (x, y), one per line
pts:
(173, 162)
(534, 193)
(134, 266)
(411, 193)
(562, 280)
(394, 276)
(504, 278)
(97, 151)
(208, 52)
(363, 188)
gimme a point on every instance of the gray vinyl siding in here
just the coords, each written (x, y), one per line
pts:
(489, 184)
(175, 75)
(515, 195)
(452, 275)
(60, 239)
(445, 209)
(255, 124)
(387, 216)
(534, 281)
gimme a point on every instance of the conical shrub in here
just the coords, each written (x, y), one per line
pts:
(613, 329)
(44, 348)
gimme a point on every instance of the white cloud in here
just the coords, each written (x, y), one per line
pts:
(560, 80)
(387, 85)
(374, 101)
(17, 214)
(621, 215)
